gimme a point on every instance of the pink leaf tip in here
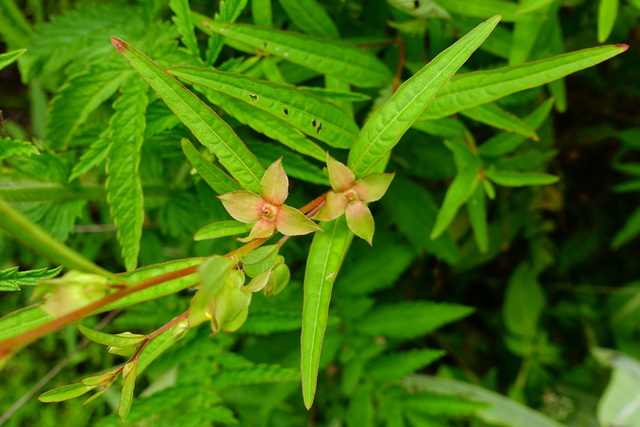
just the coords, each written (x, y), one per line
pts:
(118, 44)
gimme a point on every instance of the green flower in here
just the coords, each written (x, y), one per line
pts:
(349, 197)
(267, 211)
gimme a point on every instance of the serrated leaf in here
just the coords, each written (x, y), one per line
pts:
(78, 97)
(480, 87)
(387, 124)
(309, 113)
(519, 179)
(9, 57)
(206, 125)
(183, 21)
(256, 374)
(325, 56)
(96, 153)
(461, 188)
(265, 322)
(607, 14)
(65, 392)
(13, 147)
(324, 260)
(119, 340)
(212, 175)
(504, 143)
(441, 405)
(310, 17)
(392, 367)
(222, 229)
(268, 124)
(407, 320)
(11, 279)
(124, 189)
(492, 115)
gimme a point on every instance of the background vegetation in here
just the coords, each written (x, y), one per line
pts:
(521, 310)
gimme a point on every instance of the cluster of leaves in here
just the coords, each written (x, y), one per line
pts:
(102, 176)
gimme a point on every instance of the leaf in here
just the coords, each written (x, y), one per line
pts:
(128, 384)
(619, 404)
(325, 56)
(395, 366)
(492, 115)
(476, 206)
(266, 322)
(607, 14)
(310, 17)
(268, 124)
(296, 166)
(256, 374)
(387, 124)
(182, 19)
(504, 143)
(13, 147)
(9, 57)
(212, 175)
(502, 410)
(407, 320)
(439, 405)
(11, 279)
(523, 302)
(124, 189)
(206, 125)
(125, 339)
(480, 87)
(519, 179)
(79, 96)
(213, 272)
(96, 153)
(485, 8)
(230, 10)
(630, 229)
(461, 188)
(222, 229)
(260, 260)
(65, 392)
(324, 260)
(309, 113)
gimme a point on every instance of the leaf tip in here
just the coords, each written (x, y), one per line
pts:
(623, 47)
(118, 44)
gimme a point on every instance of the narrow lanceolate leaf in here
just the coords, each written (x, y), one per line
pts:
(458, 192)
(11, 279)
(12, 147)
(505, 142)
(128, 384)
(206, 125)
(124, 190)
(480, 87)
(66, 392)
(216, 178)
(119, 340)
(310, 17)
(520, 179)
(495, 116)
(9, 57)
(476, 206)
(183, 22)
(309, 113)
(221, 229)
(325, 258)
(79, 96)
(386, 125)
(607, 14)
(325, 56)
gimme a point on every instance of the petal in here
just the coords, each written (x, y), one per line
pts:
(243, 206)
(373, 186)
(275, 184)
(360, 221)
(261, 230)
(340, 176)
(292, 222)
(334, 206)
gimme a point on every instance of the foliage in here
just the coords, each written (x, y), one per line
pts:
(479, 277)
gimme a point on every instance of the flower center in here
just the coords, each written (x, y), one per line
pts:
(268, 212)
(350, 196)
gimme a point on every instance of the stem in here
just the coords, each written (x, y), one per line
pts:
(314, 203)
(401, 61)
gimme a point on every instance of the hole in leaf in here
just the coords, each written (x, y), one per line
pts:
(285, 110)
(313, 122)
(416, 4)
(319, 128)
(265, 44)
(253, 97)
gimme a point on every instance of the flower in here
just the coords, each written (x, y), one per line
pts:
(349, 197)
(267, 211)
